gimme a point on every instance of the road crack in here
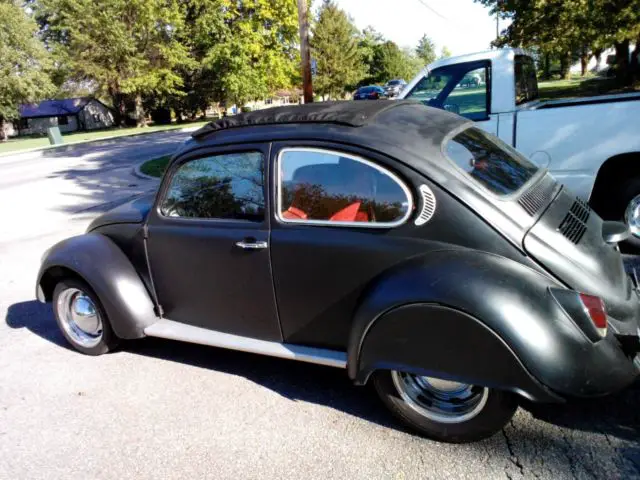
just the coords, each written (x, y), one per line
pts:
(512, 455)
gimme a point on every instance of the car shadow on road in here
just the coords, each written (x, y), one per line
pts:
(38, 319)
(616, 416)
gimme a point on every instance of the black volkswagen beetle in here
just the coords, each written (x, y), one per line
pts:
(394, 240)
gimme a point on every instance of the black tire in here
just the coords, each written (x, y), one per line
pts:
(628, 191)
(108, 340)
(498, 410)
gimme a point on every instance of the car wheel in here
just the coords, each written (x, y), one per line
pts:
(445, 410)
(82, 318)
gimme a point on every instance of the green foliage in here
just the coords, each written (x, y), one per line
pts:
(570, 29)
(334, 46)
(24, 62)
(180, 54)
(444, 53)
(390, 62)
(384, 60)
(426, 50)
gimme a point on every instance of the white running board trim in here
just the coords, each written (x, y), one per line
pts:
(171, 330)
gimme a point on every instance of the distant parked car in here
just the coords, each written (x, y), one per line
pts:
(394, 87)
(372, 92)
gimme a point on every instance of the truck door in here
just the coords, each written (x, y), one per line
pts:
(462, 88)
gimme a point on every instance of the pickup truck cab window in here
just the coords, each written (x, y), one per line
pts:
(460, 88)
(326, 187)
(228, 186)
(489, 161)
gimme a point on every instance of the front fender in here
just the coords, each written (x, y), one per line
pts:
(493, 297)
(107, 270)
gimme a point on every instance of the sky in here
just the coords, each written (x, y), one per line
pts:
(464, 26)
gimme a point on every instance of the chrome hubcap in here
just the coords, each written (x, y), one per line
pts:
(79, 317)
(632, 216)
(440, 400)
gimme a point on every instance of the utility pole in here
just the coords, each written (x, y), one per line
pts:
(305, 54)
(497, 19)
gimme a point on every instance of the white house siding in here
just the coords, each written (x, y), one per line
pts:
(9, 130)
(95, 115)
(40, 125)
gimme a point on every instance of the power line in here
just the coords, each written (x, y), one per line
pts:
(425, 4)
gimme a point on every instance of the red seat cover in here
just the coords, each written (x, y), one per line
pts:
(350, 213)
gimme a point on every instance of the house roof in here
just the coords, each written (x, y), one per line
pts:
(54, 108)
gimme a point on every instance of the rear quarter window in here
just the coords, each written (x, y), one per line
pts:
(489, 161)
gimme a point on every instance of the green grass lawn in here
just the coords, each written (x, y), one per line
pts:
(155, 167)
(17, 144)
(581, 87)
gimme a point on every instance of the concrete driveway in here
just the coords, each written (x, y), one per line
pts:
(161, 409)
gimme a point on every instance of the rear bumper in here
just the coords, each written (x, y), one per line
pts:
(606, 366)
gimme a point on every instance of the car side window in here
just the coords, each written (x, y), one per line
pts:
(326, 187)
(459, 88)
(227, 186)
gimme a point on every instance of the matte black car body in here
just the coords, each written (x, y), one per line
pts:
(468, 296)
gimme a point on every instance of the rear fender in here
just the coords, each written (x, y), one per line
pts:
(470, 315)
(98, 261)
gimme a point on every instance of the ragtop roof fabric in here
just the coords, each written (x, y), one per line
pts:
(353, 114)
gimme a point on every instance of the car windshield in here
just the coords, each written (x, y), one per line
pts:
(367, 89)
(490, 161)
(394, 82)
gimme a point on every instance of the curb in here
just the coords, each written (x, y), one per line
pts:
(112, 137)
(135, 171)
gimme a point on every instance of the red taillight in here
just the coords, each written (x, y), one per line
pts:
(596, 310)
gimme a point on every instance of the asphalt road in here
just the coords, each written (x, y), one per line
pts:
(161, 409)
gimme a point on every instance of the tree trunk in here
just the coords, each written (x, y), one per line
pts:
(622, 61)
(3, 134)
(141, 120)
(565, 66)
(584, 61)
(634, 65)
(546, 67)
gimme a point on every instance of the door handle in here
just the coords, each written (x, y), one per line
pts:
(251, 245)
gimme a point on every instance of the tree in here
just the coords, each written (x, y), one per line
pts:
(571, 29)
(444, 53)
(390, 62)
(334, 45)
(23, 63)
(426, 50)
(129, 48)
(257, 52)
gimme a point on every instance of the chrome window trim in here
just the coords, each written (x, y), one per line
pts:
(384, 171)
(460, 173)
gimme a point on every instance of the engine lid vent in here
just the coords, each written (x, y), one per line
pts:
(428, 205)
(537, 197)
(574, 224)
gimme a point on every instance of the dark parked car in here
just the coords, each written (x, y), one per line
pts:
(393, 87)
(372, 92)
(390, 239)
